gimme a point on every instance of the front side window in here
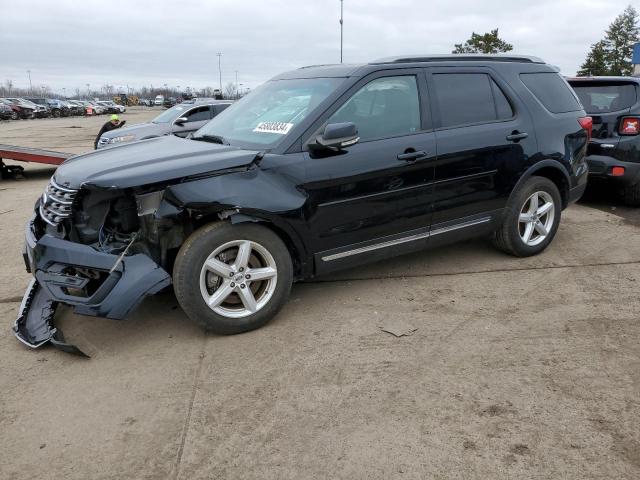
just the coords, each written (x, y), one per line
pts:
(198, 114)
(265, 117)
(385, 107)
(468, 98)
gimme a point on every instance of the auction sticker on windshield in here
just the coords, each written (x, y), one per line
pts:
(281, 128)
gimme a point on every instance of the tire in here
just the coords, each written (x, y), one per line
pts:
(15, 116)
(192, 281)
(631, 195)
(511, 236)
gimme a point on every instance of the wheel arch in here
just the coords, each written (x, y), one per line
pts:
(552, 170)
(287, 234)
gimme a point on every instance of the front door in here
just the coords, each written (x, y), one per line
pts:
(373, 199)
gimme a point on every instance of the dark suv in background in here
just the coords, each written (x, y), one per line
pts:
(319, 169)
(614, 150)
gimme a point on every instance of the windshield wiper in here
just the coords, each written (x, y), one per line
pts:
(211, 138)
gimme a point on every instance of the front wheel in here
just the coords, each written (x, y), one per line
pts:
(232, 278)
(531, 218)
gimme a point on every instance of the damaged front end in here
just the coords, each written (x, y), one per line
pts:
(92, 250)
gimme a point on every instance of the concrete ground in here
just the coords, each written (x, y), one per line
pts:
(519, 368)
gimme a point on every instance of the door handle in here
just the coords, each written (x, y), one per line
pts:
(516, 136)
(413, 156)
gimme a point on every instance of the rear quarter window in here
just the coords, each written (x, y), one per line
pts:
(552, 91)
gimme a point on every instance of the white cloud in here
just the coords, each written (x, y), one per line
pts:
(68, 43)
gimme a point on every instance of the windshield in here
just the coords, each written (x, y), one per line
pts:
(598, 98)
(171, 114)
(265, 116)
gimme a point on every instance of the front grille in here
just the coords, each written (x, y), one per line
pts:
(57, 203)
(102, 142)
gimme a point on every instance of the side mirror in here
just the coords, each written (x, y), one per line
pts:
(181, 120)
(337, 136)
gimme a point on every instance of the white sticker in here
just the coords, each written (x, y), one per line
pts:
(280, 128)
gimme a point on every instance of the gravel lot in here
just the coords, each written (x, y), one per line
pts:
(518, 368)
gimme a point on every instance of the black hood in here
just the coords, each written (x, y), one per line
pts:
(149, 161)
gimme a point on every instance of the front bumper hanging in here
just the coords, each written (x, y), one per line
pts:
(126, 280)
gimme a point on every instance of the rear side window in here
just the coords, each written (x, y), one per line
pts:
(466, 98)
(604, 98)
(552, 91)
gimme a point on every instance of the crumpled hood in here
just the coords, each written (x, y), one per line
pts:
(149, 161)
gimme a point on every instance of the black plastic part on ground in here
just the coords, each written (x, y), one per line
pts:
(34, 326)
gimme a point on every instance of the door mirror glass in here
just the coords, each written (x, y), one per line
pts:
(337, 136)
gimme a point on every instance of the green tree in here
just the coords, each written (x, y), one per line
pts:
(621, 36)
(597, 61)
(486, 43)
(612, 55)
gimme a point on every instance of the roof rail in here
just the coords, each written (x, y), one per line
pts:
(456, 57)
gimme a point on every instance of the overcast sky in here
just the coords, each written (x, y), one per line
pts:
(71, 43)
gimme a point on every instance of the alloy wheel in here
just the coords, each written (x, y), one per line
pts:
(238, 278)
(536, 218)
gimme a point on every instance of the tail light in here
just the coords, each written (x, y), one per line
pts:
(587, 124)
(629, 126)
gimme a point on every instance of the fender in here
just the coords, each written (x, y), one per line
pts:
(547, 163)
(271, 199)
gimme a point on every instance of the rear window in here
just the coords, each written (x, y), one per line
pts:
(466, 98)
(552, 91)
(598, 98)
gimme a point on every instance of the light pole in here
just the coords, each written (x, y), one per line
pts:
(88, 90)
(236, 84)
(30, 86)
(240, 90)
(64, 92)
(220, 69)
(341, 26)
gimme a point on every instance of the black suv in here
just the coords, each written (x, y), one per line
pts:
(319, 169)
(614, 150)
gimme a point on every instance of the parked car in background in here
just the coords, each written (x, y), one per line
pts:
(74, 108)
(614, 149)
(6, 112)
(320, 169)
(112, 107)
(58, 108)
(42, 109)
(169, 102)
(159, 100)
(180, 120)
(145, 102)
(21, 108)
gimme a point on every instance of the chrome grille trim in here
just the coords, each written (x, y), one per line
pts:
(57, 203)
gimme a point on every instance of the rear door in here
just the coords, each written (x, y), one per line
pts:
(608, 102)
(484, 136)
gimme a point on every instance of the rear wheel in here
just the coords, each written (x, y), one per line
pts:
(531, 218)
(14, 116)
(232, 278)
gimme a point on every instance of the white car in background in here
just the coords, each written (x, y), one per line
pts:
(109, 105)
(159, 100)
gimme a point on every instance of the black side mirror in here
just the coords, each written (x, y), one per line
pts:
(181, 120)
(337, 136)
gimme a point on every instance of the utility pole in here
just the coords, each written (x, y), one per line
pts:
(341, 26)
(30, 86)
(220, 69)
(236, 84)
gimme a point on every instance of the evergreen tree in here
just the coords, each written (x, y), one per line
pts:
(596, 62)
(621, 36)
(486, 43)
(612, 55)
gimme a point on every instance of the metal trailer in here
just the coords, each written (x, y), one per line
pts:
(27, 154)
